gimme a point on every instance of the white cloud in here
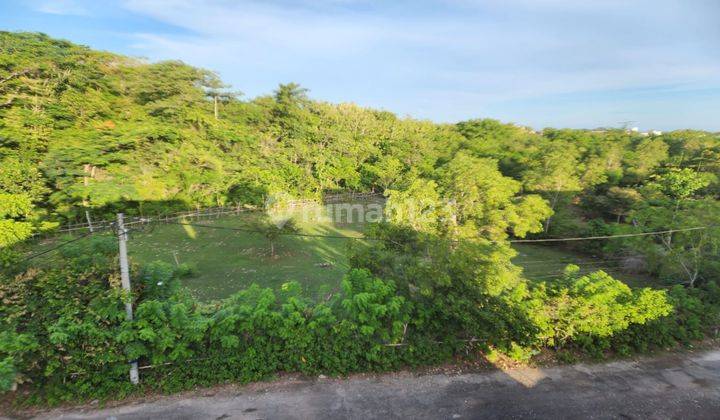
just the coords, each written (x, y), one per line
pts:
(60, 7)
(261, 24)
(425, 52)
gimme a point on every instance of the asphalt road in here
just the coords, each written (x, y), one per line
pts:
(674, 386)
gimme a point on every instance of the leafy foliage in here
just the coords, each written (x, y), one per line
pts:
(416, 299)
(91, 133)
(593, 307)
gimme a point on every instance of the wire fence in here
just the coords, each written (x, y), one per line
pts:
(228, 270)
(230, 254)
(198, 214)
(231, 250)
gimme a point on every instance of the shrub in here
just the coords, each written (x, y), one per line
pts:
(586, 310)
(64, 335)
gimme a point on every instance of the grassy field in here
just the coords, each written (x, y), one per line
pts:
(227, 260)
(544, 262)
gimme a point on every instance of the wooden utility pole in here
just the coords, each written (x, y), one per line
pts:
(125, 281)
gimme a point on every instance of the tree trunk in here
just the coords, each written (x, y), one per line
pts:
(552, 206)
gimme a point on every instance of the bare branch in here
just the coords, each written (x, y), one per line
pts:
(14, 75)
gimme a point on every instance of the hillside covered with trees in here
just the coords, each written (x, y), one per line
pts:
(83, 131)
(86, 130)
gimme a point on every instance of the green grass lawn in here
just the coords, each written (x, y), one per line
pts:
(228, 261)
(544, 262)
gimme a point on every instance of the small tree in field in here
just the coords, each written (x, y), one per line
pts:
(272, 229)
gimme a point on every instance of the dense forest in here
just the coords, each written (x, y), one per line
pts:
(86, 130)
(83, 131)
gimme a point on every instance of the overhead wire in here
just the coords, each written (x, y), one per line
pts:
(579, 238)
(47, 251)
(622, 235)
(310, 235)
(520, 256)
(599, 264)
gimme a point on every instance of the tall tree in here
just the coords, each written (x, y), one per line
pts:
(554, 173)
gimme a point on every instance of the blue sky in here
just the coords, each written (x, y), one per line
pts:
(560, 63)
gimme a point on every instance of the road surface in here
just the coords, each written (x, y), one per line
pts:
(670, 386)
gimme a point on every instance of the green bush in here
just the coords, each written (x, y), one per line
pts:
(695, 312)
(586, 310)
(64, 336)
(64, 333)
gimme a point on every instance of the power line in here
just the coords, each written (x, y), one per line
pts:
(310, 235)
(209, 212)
(47, 251)
(624, 235)
(588, 260)
(561, 269)
(582, 272)
(580, 238)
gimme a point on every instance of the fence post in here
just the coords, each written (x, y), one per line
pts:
(125, 280)
(89, 221)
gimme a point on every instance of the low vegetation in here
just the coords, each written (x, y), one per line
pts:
(226, 261)
(404, 303)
